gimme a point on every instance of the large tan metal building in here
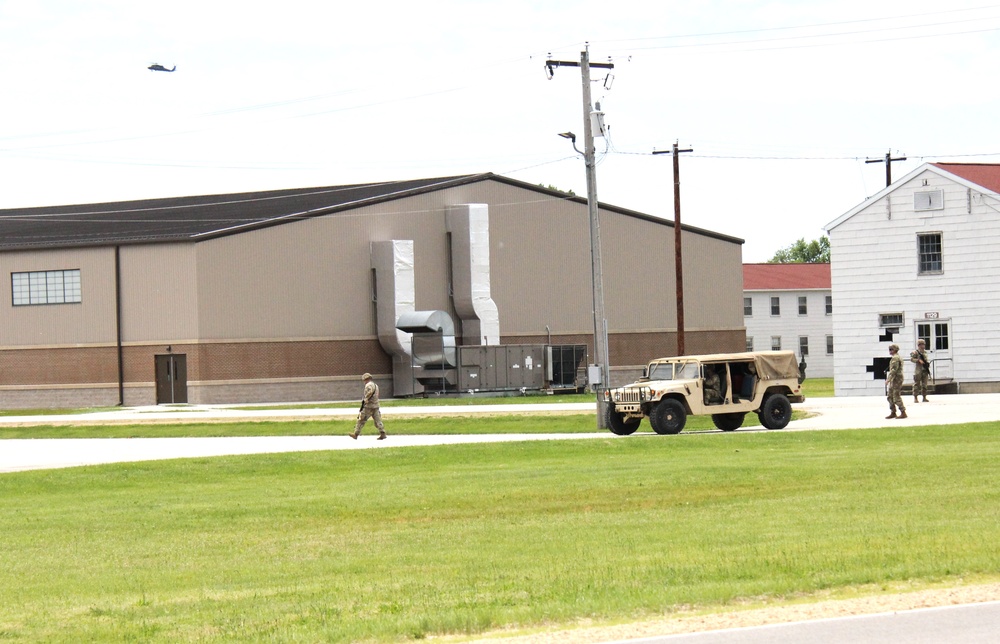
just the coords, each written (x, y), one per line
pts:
(290, 295)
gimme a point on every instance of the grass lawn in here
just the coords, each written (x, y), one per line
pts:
(396, 544)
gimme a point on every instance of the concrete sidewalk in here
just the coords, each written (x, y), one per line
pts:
(28, 454)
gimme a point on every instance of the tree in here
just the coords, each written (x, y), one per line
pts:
(552, 187)
(801, 252)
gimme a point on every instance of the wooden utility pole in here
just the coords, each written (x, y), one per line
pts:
(888, 161)
(589, 155)
(678, 263)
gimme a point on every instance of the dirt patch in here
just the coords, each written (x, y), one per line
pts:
(689, 622)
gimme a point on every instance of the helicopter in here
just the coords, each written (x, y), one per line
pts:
(156, 67)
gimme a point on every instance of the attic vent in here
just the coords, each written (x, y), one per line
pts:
(928, 200)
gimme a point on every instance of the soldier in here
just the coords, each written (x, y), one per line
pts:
(369, 409)
(921, 369)
(894, 383)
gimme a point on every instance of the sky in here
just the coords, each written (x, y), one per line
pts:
(781, 102)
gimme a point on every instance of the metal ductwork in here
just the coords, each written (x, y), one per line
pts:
(469, 225)
(395, 291)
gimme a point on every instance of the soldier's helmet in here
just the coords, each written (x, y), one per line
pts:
(921, 343)
(893, 347)
(366, 376)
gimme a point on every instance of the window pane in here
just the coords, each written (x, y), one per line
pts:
(929, 253)
(775, 306)
(941, 336)
(45, 287)
(803, 308)
(829, 345)
(803, 345)
(749, 343)
(747, 307)
(829, 305)
(775, 343)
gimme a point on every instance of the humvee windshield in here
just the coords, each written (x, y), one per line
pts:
(673, 371)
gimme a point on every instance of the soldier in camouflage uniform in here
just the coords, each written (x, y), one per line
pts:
(894, 383)
(369, 409)
(921, 369)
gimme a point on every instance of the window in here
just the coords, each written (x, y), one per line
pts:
(938, 341)
(775, 343)
(890, 320)
(928, 200)
(829, 305)
(829, 345)
(748, 307)
(749, 343)
(45, 287)
(803, 306)
(929, 253)
(775, 306)
(941, 336)
(803, 345)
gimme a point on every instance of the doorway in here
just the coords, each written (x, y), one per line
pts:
(171, 378)
(936, 335)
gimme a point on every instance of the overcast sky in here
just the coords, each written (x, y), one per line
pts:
(782, 101)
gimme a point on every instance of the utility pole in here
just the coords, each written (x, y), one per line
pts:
(888, 161)
(678, 263)
(589, 154)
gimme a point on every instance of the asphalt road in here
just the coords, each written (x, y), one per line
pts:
(967, 624)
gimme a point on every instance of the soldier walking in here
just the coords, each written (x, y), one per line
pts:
(369, 409)
(894, 383)
(921, 370)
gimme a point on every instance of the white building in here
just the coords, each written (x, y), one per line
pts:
(789, 306)
(919, 260)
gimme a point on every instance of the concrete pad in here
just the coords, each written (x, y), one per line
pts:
(28, 454)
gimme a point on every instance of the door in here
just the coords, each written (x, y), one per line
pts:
(936, 335)
(171, 378)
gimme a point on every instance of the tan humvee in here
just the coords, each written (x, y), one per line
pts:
(726, 385)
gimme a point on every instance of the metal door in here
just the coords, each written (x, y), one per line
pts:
(171, 378)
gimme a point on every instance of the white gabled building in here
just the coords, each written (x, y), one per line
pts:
(919, 260)
(789, 306)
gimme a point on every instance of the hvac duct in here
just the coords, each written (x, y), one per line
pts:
(469, 225)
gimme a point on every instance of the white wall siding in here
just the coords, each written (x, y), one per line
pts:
(790, 326)
(875, 270)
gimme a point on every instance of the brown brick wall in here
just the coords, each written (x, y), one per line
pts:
(269, 371)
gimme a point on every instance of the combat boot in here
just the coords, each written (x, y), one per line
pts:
(381, 436)
(893, 414)
(902, 414)
(925, 399)
(354, 435)
(915, 398)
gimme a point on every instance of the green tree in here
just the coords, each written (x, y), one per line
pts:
(802, 252)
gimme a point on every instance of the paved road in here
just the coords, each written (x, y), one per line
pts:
(29, 454)
(967, 624)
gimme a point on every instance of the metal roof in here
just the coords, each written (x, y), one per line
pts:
(194, 218)
(199, 218)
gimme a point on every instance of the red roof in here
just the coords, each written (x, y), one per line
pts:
(986, 175)
(773, 277)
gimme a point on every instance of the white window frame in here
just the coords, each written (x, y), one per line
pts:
(930, 262)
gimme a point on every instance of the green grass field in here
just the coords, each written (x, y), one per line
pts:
(396, 544)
